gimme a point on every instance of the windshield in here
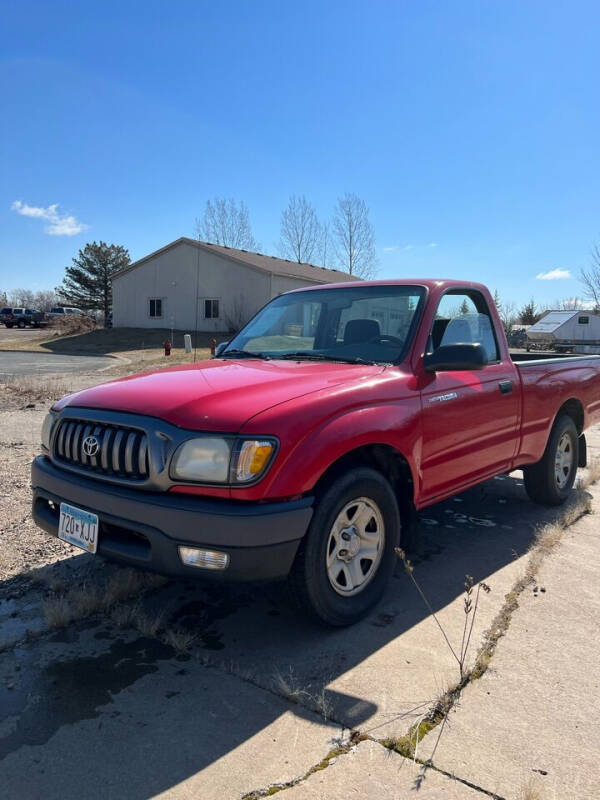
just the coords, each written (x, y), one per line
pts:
(359, 323)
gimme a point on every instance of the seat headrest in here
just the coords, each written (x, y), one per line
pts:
(361, 330)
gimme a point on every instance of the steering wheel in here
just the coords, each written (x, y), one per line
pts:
(385, 340)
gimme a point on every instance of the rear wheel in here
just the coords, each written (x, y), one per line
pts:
(550, 481)
(347, 557)
(21, 323)
(8, 324)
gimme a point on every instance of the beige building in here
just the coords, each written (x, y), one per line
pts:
(220, 288)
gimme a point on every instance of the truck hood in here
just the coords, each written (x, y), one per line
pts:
(217, 395)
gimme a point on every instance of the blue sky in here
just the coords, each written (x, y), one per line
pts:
(471, 129)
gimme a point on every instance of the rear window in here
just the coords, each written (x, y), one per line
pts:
(6, 311)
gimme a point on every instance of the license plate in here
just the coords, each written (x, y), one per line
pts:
(78, 527)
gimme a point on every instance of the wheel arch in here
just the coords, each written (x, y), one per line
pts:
(384, 458)
(573, 407)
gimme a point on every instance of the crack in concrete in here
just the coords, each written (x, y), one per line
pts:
(343, 749)
(407, 745)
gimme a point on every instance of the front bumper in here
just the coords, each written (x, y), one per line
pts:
(144, 529)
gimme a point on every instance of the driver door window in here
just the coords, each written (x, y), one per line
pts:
(470, 420)
(464, 319)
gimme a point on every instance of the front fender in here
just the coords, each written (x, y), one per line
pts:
(303, 462)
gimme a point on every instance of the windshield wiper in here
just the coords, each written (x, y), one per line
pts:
(303, 354)
(243, 354)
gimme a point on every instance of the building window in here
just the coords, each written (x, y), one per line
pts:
(155, 309)
(584, 320)
(211, 309)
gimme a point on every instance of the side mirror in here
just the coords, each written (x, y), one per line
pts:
(219, 348)
(450, 357)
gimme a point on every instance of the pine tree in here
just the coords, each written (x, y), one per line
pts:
(528, 314)
(87, 284)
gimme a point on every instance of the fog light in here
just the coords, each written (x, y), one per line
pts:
(208, 559)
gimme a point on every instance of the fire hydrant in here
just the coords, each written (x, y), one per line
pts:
(167, 346)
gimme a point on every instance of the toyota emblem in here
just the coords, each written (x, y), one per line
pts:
(91, 445)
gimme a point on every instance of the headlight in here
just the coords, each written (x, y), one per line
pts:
(211, 459)
(47, 426)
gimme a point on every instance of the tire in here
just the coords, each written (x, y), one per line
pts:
(543, 482)
(8, 324)
(21, 323)
(325, 593)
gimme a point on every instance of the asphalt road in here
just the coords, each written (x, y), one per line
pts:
(24, 363)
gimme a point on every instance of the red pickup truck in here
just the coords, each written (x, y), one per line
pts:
(304, 449)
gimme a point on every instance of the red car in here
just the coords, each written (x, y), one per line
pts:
(305, 447)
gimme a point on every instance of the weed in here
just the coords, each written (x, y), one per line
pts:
(288, 687)
(83, 601)
(530, 792)
(124, 615)
(470, 607)
(179, 639)
(147, 625)
(122, 584)
(322, 704)
(58, 611)
(591, 476)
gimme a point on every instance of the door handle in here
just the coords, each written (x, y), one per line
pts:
(505, 387)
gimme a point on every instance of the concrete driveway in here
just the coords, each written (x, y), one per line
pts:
(13, 363)
(263, 696)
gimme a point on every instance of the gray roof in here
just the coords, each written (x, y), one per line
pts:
(277, 266)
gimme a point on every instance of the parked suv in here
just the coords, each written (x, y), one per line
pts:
(61, 311)
(21, 317)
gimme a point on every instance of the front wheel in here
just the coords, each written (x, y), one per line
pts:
(21, 323)
(347, 557)
(550, 481)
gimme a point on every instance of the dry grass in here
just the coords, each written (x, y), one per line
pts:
(134, 343)
(147, 625)
(179, 639)
(58, 611)
(83, 601)
(591, 475)
(287, 686)
(531, 792)
(23, 390)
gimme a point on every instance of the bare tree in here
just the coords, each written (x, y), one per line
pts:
(507, 312)
(324, 242)
(237, 314)
(226, 222)
(22, 298)
(300, 231)
(44, 300)
(590, 278)
(568, 304)
(354, 240)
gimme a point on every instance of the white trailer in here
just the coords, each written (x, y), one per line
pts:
(568, 332)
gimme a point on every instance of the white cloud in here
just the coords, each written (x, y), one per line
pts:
(553, 275)
(405, 247)
(59, 224)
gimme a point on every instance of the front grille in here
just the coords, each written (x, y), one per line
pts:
(122, 452)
